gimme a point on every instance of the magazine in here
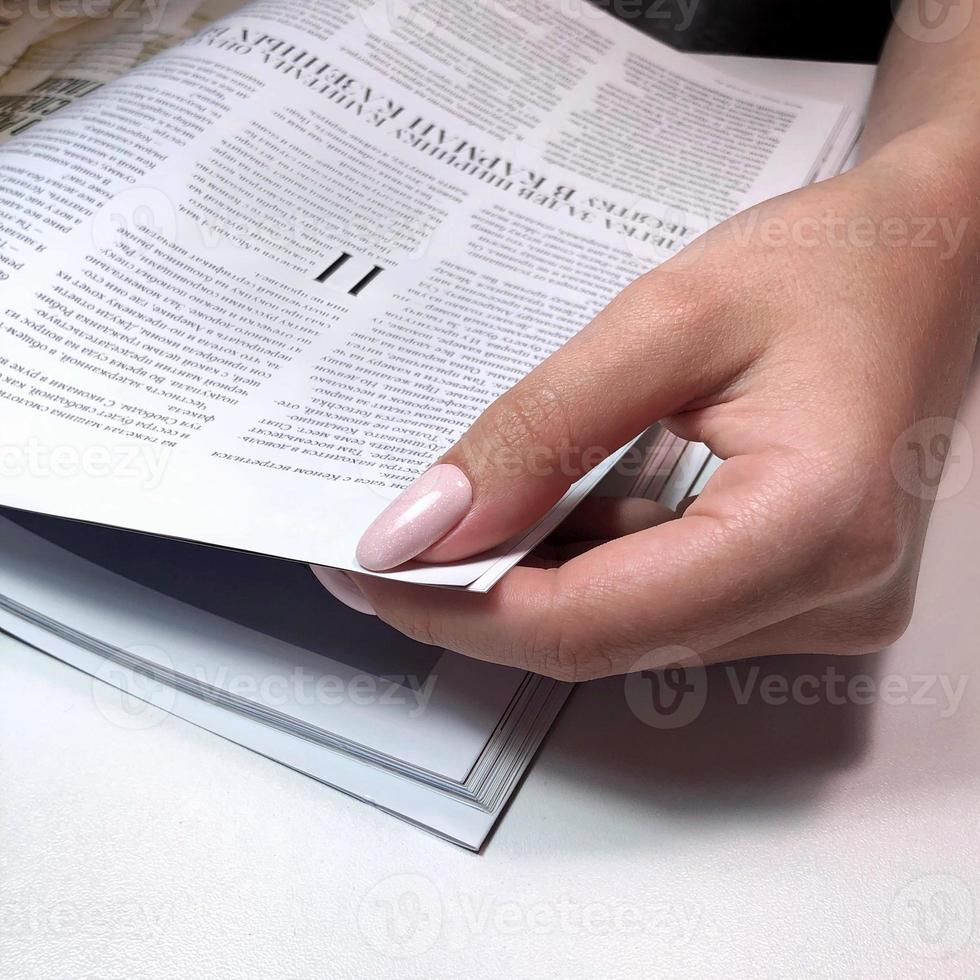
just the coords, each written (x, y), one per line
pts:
(252, 285)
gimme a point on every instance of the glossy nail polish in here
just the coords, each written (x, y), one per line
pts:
(432, 506)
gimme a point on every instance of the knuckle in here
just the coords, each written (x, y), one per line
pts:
(532, 419)
(863, 559)
(567, 652)
(563, 664)
(554, 652)
(864, 545)
(679, 300)
(870, 546)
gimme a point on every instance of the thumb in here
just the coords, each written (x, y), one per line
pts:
(646, 355)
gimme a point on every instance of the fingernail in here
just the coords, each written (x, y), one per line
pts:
(341, 586)
(433, 505)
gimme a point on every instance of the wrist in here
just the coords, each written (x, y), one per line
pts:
(935, 165)
(928, 177)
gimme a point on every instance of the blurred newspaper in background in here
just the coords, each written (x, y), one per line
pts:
(54, 51)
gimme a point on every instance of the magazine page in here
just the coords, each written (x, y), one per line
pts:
(591, 94)
(252, 288)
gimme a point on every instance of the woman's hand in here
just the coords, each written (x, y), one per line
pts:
(799, 340)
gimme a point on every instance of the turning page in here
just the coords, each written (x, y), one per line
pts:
(254, 287)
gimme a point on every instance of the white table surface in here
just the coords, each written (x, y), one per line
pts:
(760, 840)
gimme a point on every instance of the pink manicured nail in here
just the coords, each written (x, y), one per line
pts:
(433, 505)
(341, 586)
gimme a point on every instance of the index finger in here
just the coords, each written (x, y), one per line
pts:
(760, 545)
